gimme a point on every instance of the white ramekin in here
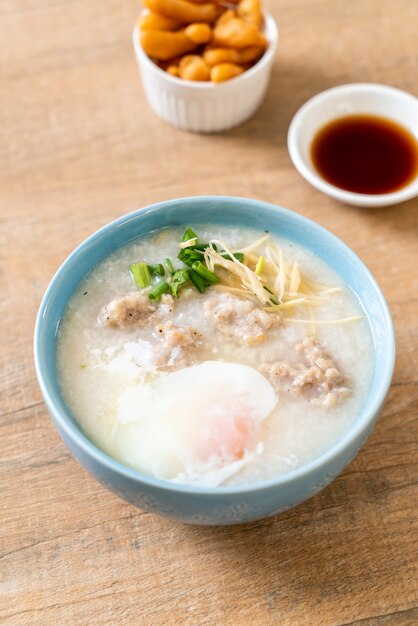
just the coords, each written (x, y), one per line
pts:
(203, 106)
(356, 98)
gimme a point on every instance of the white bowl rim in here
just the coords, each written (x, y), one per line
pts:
(368, 200)
(75, 432)
(273, 39)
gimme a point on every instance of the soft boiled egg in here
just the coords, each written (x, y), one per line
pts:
(200, 424)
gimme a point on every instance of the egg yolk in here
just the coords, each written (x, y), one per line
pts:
(226, 434)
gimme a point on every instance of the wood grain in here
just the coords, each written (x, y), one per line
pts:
(80, 147)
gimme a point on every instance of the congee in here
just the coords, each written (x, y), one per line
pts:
(214, 355)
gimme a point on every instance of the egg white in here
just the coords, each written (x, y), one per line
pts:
(199, 424)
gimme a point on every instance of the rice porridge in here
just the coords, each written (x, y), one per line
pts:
(217, 357)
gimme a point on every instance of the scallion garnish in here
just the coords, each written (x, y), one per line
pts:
(188, 256)
(141, 274)
(203, 271)
(199, 282)
(189, 234)
(158, 290)
(273, 298)
(197, 256)
(239, 256)
(180, 277)
(190, 243)
(169, 266)
(157, 269)
(202, 246)
(259, 266)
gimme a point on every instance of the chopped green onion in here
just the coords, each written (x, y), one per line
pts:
(259, 266)
(239, 256)
(188, 256)
(157, 269)
(199, 282)
(141, 274)
(189, 234)
(202, 246)
(190, 243)
(273, 298)
(180, 277)
(158, 290)
(169, 266)
(203, 271)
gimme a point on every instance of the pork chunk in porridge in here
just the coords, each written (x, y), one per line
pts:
(317, 378)
(178, 346)
(134, 309)
(239, 319)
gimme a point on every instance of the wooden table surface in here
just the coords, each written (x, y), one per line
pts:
(80, 147)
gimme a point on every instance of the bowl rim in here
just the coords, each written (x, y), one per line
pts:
(315, 179)
(272, 34)
(46, 376)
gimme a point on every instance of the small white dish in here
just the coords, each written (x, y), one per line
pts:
(203, 106)
(352, 99)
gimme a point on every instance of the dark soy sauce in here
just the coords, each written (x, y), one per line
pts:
(365, 154)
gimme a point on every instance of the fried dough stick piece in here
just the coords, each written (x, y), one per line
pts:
(153, 21)
(215, 56)
(165, 45)
(185, 11)
(236, 33)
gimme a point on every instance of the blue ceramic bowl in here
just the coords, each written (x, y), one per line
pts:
(222, 505)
